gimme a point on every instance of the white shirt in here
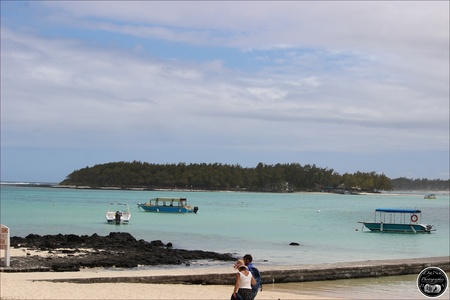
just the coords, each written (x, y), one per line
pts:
(245, 281)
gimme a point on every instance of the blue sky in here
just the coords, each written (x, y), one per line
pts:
(350, 86)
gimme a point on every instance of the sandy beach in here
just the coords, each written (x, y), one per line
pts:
(39, 285)
(25, 286)
(34, 285)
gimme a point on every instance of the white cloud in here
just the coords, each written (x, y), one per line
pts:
(346, 76)
(399, 26)
(64, 86)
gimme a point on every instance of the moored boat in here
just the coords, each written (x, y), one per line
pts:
(398, 220)
(430, 196)
(168, 205)
(118, 213)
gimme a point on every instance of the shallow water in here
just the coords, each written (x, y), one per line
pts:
(392, 287)
(325, 225)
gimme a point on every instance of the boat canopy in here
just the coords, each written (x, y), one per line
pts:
(168, 199)
(391, 210)
(164, 199)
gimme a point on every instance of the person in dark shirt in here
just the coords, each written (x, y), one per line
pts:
(248, 259)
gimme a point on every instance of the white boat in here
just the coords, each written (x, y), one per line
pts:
(118, 213)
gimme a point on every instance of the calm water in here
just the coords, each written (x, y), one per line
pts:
(262, 224)
(393, 287)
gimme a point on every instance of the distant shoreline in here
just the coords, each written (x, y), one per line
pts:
(113, 188)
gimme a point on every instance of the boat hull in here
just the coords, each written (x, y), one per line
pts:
(125, 222)
(166, 209)
(390, 227)
(111, 218)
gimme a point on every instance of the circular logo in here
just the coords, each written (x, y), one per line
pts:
(432, 282)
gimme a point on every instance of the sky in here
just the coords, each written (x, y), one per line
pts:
(344, 85)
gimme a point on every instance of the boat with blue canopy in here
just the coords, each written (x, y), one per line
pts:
(398, 220)
(168, 205)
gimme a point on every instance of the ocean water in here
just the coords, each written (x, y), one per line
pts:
(391, 287)
(325, 225)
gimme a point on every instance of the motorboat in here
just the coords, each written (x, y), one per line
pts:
(398, 220)
(430, 196)
(168, 205)
(118, 213)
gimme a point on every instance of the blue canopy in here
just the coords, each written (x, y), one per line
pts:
(398, 210)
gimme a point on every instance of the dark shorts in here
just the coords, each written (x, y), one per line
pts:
(246, 294)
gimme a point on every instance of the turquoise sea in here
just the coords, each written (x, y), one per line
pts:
(325, 225)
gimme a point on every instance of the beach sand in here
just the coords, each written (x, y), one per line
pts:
(22, 286)
(32, 285)
(38, 285)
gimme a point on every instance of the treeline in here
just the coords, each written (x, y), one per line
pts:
(424, 184)
(266, 178)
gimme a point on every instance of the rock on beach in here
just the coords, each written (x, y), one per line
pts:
(70, 252)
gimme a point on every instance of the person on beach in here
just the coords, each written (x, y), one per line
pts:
(248, 259)
(244, 281)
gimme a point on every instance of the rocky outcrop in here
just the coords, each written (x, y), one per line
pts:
(71, 252)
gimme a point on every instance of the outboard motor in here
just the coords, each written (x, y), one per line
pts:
(118, 217)
(195, 209)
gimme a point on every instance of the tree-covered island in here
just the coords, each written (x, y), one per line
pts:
(291, 177)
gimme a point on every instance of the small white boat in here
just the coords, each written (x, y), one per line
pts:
(118, 213)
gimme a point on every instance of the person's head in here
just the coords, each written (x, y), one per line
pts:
(247, 259)
(240, 265)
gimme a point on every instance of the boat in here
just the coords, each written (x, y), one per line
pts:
(398, 220)
(168, 205)
(118, 213)
(429, 196)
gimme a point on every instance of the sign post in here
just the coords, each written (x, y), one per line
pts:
(4, 243)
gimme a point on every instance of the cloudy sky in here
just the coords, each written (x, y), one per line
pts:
(350, 86)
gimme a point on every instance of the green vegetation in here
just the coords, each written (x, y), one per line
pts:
(423, 184)
(265, 178)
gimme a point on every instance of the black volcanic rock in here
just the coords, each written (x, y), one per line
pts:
(118, 249)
